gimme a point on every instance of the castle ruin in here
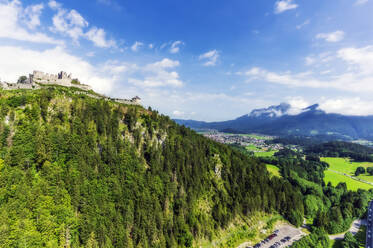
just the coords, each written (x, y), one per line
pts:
(62, 78)
(37, 79)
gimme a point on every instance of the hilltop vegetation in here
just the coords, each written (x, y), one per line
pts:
(76, 171)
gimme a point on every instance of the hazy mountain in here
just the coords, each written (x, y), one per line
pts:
(284, 120)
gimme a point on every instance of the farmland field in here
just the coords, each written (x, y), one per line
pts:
(340, 166)
(344, 165)
(352, 184)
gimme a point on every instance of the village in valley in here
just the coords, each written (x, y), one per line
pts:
(256, 143)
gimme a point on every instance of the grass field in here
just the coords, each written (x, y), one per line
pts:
(274, 170)
(352, 184)
(265, 154)
(259, 152)
(252, 148)
(344, 165)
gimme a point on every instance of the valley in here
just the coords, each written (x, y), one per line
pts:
(212, 189)
(284, 120)
(338, 171)
(252, 142)
(186, 124)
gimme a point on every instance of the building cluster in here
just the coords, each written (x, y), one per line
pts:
(243, 140)
(37, 79)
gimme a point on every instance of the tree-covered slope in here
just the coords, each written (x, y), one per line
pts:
(76, 171)
(342, 149)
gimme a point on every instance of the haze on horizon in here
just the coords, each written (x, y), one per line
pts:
(197, 60)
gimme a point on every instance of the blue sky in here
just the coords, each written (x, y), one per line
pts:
(204, 60)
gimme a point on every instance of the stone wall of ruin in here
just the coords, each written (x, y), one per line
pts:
(60, 79)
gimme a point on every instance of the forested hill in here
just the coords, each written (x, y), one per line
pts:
(76, 171)
(342, 149)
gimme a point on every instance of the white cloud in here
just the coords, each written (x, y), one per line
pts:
(135, 47)
(332, 37)
(151, 46)
(356, 73)
(13, 15)
(69, 23)
(175, 46)
(54, 5)
(360, 58)
(21, 61)
(178, 113)
(339, 105)
(361, 2)
(158, 74)
(118, 69)
(164, 63)
(98, 37)
(310, 60)
(72, 23)
(32, 15)
(253, 71)
(305, 23)
(284, 5)
(348, 106)
(297, 105)
(210, 58)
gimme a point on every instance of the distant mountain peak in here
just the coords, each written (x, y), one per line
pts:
(276, 111)
(285, 119)
(273, 111)
(312, 107)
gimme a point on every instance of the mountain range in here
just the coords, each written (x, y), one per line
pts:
(283, 120)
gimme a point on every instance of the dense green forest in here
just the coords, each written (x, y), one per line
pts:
(77, 171)
(332, 209)
(357, 152)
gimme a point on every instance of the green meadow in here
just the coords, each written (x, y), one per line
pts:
(274, 170)
(352, 184)
(252, 148)
(265, 154)
(346, 166)
(259, 152)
